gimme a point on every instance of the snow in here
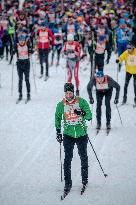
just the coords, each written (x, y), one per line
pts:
(29, 152)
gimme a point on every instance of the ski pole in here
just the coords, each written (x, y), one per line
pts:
(33, 75)
(118, 73)
(119, 115)
(92, 114)
(12, 78)
(92, 65)
(61, 163)
(105, 175)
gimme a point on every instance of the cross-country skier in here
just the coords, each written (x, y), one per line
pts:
(23, 65)
(129, 56)
(45, 40)
(74, 111)
(72, 51)
(104, 86)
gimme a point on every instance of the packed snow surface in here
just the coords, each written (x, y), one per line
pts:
(29, 152)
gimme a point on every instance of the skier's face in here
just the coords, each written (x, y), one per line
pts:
(22, 43)
(130, 49)
(70, 20)
(100, 79)
(69, 95)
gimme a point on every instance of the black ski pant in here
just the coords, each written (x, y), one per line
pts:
(99, 61)
(57, 48)
(99, 97)
(43, 56)
(6, 42)
(81, 143)
(23, 67)
(91, 55)
(109, 51)
(127, 79)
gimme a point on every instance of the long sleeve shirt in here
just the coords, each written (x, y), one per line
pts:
(109, 87)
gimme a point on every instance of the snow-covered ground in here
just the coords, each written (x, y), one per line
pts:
(29, 152)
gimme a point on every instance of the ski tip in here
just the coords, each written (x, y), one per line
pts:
(18, 101)
(62, 198)
(82, 192)
(97, 131)
(108, 131)
(64, 195)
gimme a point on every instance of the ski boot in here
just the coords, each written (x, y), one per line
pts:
(19, 99)
(46, 78)
(108, 125)
(27, 99)
(67, 189)
(84, 187)
(98, 127)
(124, 100)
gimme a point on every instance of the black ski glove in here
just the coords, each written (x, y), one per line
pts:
(116, 101)
(59, 136)
(117, 60)
(80, 112)
(91, 100)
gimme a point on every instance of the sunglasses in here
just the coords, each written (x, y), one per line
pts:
(130, 48)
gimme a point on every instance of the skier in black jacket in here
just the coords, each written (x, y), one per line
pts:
(104, 86)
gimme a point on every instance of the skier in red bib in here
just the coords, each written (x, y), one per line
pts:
(74, 111)
(72, 51)
(45, 40)
(104, 86)
(23, 51)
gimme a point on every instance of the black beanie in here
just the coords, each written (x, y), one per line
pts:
(69, 87)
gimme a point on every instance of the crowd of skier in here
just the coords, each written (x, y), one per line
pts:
(78, 30)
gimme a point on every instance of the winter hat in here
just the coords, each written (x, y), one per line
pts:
(99, 74)
(69, 87)
(43, 24)
(22, 38)
(130, 45)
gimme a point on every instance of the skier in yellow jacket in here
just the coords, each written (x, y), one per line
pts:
(129, 56)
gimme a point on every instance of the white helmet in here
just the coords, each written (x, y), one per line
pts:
(70, 37)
